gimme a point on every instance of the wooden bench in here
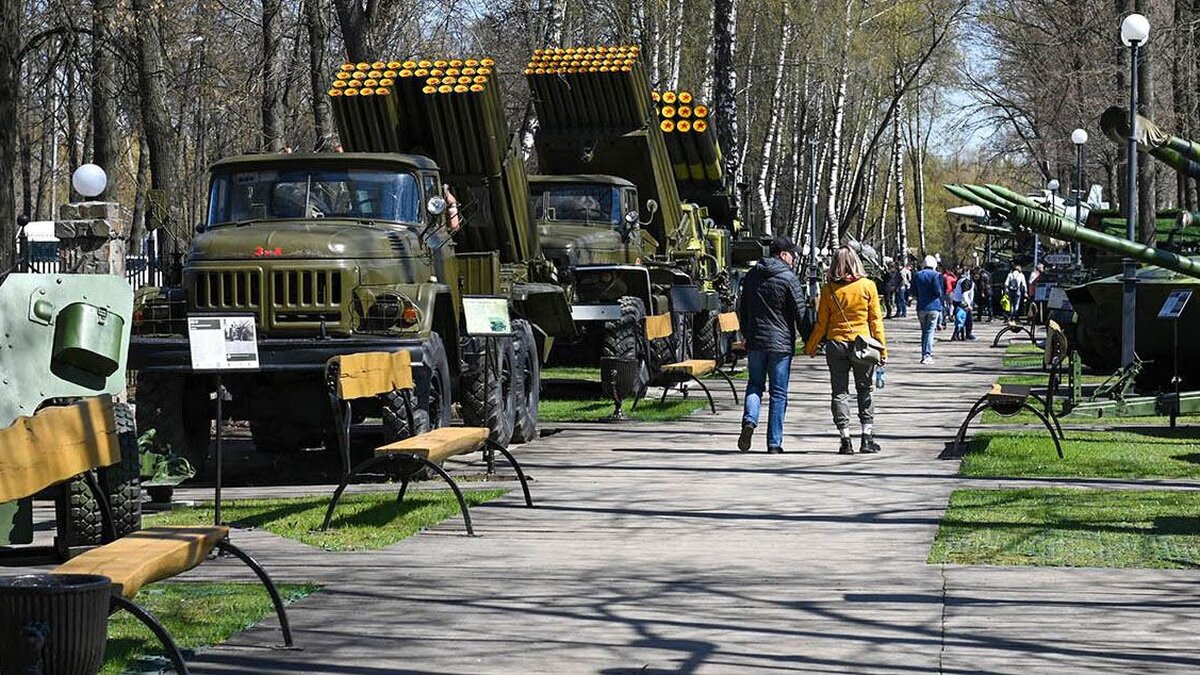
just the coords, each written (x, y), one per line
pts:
(371, 374)
(1008, 400)
(673, 374)
(59, 443)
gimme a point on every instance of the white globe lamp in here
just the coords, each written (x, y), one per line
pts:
(1135, 29)
(89, 180)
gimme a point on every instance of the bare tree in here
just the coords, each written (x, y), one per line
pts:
(156, 121)
(725, 80)
(318, 38)
(273, 88)
(104, 92)
(10, 75)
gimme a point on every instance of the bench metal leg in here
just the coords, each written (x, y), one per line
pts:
(403, 489)
(712, 405)
(117, 603)
(1046, 422)
(732, 388)
(462, 503)
(516, 467)
(666, 390)
(280, 610)
(337, 494)
(979, 406)
(1045, 403)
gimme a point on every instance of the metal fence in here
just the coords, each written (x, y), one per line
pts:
(144, 268)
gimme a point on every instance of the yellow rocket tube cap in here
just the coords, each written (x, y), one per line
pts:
(382, 91)
(351, 92)
(429, 90)
(700, 111)
(699, 126)
(347, 67)
(667, 111)
(684, 126)
(335, 92)
(445, 89)
(685, 97)
(667, 126)
(669, 97)
(684, 110)
(362, 66)
(477, 88)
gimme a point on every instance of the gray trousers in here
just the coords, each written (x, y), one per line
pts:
(837, 355)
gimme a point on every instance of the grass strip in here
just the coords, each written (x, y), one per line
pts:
(579, 410)
(1071, 528)
(196, 614)
(581, 374)
(1150, 452)
(363, 521)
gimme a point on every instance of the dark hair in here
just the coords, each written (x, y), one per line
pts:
(780, 243)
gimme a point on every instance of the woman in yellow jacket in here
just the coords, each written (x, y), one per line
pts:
(849, 308)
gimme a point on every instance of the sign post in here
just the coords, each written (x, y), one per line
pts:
(219, 344)
(488, 318)
(1171, 310)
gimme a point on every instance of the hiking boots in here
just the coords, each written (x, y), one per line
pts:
(868, 445)
(746, 437)
(847, 446)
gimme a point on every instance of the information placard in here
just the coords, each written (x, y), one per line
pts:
(1058, 299)
(1173, 306)
(487, 315)
(1041, 293)
(223, 342)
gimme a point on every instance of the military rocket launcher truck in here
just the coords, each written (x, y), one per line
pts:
(625, 243)
(336, 253)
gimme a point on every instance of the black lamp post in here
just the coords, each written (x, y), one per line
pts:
(1135, 30)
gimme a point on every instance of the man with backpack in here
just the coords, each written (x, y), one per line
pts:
(1015, 289)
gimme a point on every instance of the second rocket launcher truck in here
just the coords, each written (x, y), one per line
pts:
(608, 172)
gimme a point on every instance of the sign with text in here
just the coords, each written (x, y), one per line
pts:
(1173, 306)
(223, 342)
(487, 315)
(1058, 299)
(1059, 258)
(1041, 293)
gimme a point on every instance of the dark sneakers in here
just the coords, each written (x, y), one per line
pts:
(847, 447)
(775, 451)
(746, 437)
(868, 446)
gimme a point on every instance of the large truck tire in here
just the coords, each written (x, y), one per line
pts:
(529, 386)
(79, 521)
(624, 339)
(432, 401)
(705, 344)
(489, 398)
(276, 431)
(177, 408)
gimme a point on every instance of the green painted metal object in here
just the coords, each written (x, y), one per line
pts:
(1181, 154)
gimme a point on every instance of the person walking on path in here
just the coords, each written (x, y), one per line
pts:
(891, 292)
(964, 297)
(849, 309)
(772, 307)
(905, 288)
(1015, 288)
(983, 291)
(928, 287)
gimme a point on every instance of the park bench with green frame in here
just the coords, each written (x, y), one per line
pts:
(59, 443)
(674, 374)
(374, 374)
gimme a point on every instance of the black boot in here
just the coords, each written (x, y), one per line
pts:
(868, 445)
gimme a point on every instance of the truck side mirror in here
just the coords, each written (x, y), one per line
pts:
(652, 207)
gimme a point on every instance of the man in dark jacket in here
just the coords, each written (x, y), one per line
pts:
(772, 307)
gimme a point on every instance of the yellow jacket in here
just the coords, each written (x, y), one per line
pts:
(858, 314)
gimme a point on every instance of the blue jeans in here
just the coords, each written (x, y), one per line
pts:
(929, 321)
(777, 366)
(901, 303)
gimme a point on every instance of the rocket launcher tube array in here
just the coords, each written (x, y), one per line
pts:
(449, 110)
(691, 141)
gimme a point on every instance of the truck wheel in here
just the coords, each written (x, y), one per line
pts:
(273, 432)
(177, 408)
(433, 409)
(529, 386)
(623, 339)
(704, 336)
(489, 398)
(81, 524)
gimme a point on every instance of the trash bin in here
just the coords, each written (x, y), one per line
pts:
(55, 624)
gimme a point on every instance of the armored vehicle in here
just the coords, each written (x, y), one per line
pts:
(65, 337)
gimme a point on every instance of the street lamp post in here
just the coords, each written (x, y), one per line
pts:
(1052, 186)
(1135, 31)
(1079, 137)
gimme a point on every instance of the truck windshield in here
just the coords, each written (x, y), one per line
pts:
(333, 193)
(588, 203)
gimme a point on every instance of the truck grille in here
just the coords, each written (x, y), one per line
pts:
(232, 289)
(306, 296)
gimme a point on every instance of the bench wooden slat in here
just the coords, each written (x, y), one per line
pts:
(439, 444)
(1010, 392)
(659, 326)
(147, 556)
(372, 373)
(55, 444)
(729, 323)
(693, 367)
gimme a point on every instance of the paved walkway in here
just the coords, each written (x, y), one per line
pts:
(660, 548)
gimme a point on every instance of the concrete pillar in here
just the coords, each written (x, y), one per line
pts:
(93, 238)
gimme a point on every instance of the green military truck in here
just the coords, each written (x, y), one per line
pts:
(335, 253)
(611, 217)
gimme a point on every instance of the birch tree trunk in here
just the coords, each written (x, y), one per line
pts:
(833, 214)
(318, 40)
(104, 93)
(766, 169)
(272, 76)
(555, 12)
(886, 203)
(725, 82)
(898, 177)
(707, 88)
(676, 55)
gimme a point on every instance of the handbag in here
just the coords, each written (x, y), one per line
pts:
(865, 350)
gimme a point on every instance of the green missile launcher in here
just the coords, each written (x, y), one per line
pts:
(1180, 154)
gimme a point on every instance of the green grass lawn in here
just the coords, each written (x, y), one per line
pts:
(1071, 528)
(1146, 453)
(571, 373)
(196, 614)
(1023, 355)
(648, 410)
(362, 522)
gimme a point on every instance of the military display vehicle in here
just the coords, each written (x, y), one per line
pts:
(625, 244)
(335, 253)
(66, 337)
